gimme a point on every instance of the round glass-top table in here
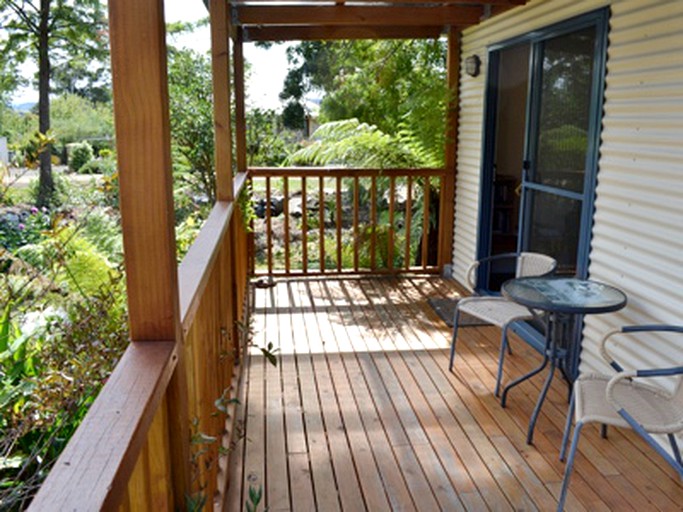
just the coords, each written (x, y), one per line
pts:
(564, 295)
(561, 298)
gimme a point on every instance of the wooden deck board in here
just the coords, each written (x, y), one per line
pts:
(362, 414)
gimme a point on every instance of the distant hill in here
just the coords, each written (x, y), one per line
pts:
(23, 107)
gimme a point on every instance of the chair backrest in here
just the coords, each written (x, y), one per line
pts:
(525, 263)
(677, 401)
(534, 264)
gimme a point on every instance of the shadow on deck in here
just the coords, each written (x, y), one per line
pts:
(362, 414)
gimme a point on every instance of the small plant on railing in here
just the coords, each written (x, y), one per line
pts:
(254, 498)
(269, 351)
(245, 202)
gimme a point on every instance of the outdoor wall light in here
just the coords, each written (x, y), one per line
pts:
(472, 65)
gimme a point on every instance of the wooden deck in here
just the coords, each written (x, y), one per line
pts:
(361, 413)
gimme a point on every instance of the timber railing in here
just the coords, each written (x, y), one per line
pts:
(335, 220)
(121, 455)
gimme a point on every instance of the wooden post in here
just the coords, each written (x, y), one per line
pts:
(447, 196)
(220, 66)
(140, 85)
(240, 120)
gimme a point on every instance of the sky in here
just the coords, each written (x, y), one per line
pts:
(268, 67)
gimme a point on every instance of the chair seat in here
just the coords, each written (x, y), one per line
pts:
(495, 310)
(649, 406)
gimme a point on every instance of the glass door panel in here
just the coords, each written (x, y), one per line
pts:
(554, 223)
(565, 100)
(558, 151)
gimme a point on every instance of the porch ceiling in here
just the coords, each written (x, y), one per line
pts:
(282, 20)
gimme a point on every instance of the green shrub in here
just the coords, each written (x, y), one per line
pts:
(21, 227)
(103, 229)
(79, 155)
(99, 166)
(63, 190)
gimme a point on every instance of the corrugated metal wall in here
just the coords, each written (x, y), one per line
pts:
(638, 232)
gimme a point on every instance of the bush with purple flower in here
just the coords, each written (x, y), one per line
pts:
(21, 226)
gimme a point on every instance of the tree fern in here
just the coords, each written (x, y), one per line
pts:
(350, 143)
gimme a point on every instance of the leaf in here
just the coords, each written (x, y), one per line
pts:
(5, 328)
(255, 495)
(269, 353)
(202, 438)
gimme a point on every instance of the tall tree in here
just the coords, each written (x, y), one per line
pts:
(396, 85)
(50, 32)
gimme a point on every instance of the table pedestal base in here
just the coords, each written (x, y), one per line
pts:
(553, 354)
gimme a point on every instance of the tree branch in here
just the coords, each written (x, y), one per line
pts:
(21, 12)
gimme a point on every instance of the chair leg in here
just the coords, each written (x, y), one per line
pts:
(674, 448)
(504, 345)
(456, 317)
(603, 431)
(567, 427)
(570, 466)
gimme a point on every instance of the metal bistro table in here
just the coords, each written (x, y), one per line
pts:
(562, 299)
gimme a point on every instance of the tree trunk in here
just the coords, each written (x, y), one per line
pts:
(46, 183)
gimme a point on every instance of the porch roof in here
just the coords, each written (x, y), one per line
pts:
(281, 20)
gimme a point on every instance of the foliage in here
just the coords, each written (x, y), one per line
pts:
(28, 151)
(354, 144)
(75, 118)
(62, 329)
(191, 115)
(245, 202)
(83, 78)
(16, 126)
(62, 191)
(80, 154)
(102, 228)
(268, 142)
(185, 234)
(391, 84)
(254, 498)
(20, 227)
(69, 260)
(49, 377)
(106, 166)
(51, 33)
(75, 30)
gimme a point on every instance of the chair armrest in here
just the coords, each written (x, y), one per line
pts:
(660, 372)
(632, 329)
(652, 328)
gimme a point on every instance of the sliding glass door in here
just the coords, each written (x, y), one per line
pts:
(544, 105)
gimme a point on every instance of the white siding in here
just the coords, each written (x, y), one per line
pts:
(637, 240)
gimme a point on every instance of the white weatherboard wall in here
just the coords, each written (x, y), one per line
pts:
(637, 242)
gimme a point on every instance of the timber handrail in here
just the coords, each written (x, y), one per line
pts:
(193, 271)
(341, 172)
(383, 239)
(93, 470)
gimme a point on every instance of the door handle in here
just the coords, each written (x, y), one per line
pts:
(518, 189)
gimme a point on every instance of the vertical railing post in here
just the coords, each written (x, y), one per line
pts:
(240, 112)
(447, 193)
(140, 86)
(220, 67)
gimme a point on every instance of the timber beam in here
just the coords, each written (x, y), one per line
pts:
(344, 15)
(263, 3)
(329, 33)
